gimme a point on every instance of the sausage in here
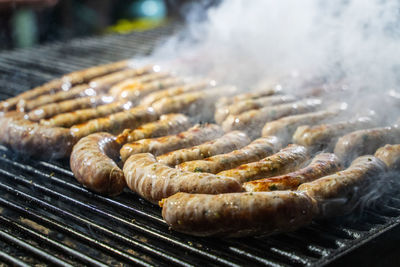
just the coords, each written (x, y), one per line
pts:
(238, 214)
(93, 165)
(285, 127)
(256, 150)
(390, 155)
(339, 193)
(324, 136)
(65, 82)
(323, 164)
(245, 96)
(248, 104)
(252, 121)
(157, 146)
(223, 144)
(155, 181)
(174, 91)
(115, 123)
(30, 138)
(167, 124)
(286, 160)
(365, 142)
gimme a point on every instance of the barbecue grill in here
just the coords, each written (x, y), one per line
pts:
(47, 217)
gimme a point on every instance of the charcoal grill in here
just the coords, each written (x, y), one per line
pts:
(47, 217)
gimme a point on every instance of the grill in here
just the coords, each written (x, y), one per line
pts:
(47, 217)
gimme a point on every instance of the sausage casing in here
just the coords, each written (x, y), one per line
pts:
(390, 155)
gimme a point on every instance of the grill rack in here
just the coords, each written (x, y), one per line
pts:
(47, 217)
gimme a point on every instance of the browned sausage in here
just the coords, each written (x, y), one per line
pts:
(339, 193)
(390, 155)
(258, 149)
(224, 101)
(194, 136)
(155, 181)
(93, 165)
(286, 160)
(323, 164)
(223, 144)
(238, 214)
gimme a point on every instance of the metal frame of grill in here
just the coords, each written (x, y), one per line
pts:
(47, 217)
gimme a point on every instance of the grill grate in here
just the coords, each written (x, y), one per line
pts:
(47, 217)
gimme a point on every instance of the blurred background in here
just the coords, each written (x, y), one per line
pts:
(25, 23)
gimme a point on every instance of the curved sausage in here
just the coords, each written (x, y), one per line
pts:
(286, 160)
(323, 164)
(238, 214)
(194, 136)
(390, 155)
(223, 144)
(224, 101)
(155, 181)
(93, 165)
(339, 193)
(256, 150)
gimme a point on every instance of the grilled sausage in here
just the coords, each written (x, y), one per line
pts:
(365, 142)
(155, 181)
(238, 214)
(323, 164)
(252, 121)
(258, 149)
(390, 155)
(157, 146)
(30, 138)
(167, 124)
(223, 144)
(93, 165)
(224, 101)
(286, 160)
(174, 91)
(248, 104)
(324, 136)
(285, 127)
(339, 193)
(116, 123)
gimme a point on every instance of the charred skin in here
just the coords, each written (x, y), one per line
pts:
(365, 142)
(157, 146)
(225, 143)
(339, 193)
(167, 124)
(390, 155)
(322, 165)
(30, 138)
(286, 160)
(238, 214)
(155, 181)
(256, 150)
(93, 165)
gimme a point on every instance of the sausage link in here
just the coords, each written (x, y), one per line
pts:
(390, 155)
(256, 150)
(323, 164)
(238, 214)
(223, 144)
(224, 101)
(286, 160)
(194, 136)
(155, 181)
(339, 193)
(167, 124)
(93, 165)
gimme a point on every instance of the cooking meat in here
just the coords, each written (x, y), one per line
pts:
(252, 121)
(339, 193)
(194, 136)
(223, 101)
(93, 165)
(167, 124)
(286, 160)
(390, 155)
(226, 143)
(155, 181)
(256, 150)
(238, 214)
(323, 164)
